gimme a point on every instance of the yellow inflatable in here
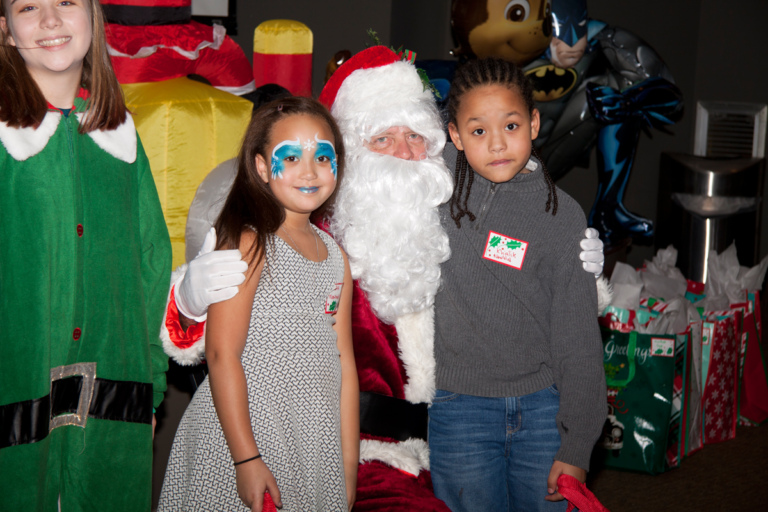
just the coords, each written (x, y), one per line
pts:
(187, 129)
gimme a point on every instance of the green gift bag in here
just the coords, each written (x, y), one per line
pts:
(640, 373)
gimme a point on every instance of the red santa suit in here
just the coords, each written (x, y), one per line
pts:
(395, 363)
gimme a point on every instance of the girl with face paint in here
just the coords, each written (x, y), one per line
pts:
(277, 421)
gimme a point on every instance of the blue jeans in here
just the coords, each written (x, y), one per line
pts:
(494, 454)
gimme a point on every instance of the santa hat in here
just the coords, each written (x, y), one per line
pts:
(376, 90)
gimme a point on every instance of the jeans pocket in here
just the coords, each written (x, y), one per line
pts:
(443, 396)
(553, 389)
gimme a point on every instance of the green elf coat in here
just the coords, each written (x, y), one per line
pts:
(84, 270)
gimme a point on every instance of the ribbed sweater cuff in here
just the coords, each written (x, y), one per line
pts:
(575, 451)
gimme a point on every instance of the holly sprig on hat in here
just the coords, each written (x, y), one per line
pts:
(407, 56)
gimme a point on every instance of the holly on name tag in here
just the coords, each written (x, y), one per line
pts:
(505, 250)
(332, 302)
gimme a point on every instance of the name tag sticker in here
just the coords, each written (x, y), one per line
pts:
(505, 250)
(332, 302)
(662, 347)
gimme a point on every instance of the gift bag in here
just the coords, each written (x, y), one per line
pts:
(692, 438)
(640, 372)
(681, 395)
(753, 378)
(719, 370)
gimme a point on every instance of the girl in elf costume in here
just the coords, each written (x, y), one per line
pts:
(84, 267)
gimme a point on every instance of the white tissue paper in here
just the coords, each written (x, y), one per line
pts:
(661, 278)
(627, 285)
(727, 281)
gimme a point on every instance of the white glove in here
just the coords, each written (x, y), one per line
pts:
(213, 276)
(592, 252)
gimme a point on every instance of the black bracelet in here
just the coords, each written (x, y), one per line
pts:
(248, 460)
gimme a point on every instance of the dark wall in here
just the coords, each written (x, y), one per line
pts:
(715, 50)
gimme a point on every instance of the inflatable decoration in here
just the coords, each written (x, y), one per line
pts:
(187, 128)
(152, 40)
(517, 31)
(282, 54)
(600, 86)
(596, 86)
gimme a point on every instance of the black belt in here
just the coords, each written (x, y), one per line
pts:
(76, 395)
(386, 416)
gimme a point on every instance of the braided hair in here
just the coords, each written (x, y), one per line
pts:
(470, 75)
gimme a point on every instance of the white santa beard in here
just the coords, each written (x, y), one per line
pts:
(386, 219)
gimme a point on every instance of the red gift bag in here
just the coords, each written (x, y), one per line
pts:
(753, 377)
(720, 347)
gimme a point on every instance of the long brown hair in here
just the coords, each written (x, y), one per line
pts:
(251, 203)
(22, 103)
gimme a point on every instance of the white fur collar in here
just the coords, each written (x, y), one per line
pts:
(416, 337)
(120, 142)
(23, 143)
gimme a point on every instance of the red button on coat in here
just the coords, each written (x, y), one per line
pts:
(76, 334)
(79, 230)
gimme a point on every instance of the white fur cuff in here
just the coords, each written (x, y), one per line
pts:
(410, 456)
(604, 294)
(184, 356)
(416, 333)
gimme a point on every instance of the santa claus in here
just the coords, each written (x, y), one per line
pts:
(386, 219)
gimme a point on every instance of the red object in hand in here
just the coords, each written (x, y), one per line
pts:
(578, 495)
(269, 505)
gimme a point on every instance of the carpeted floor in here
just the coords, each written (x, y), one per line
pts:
(730, 476)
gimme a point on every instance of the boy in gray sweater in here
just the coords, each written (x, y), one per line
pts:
(521, 392)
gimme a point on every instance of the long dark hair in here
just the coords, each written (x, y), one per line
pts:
(477, 73)
(251, 203)
(22, 103)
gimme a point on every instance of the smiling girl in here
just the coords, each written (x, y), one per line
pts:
(278, 412)
(84, 263)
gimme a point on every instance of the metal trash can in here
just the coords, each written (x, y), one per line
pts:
(706, 204)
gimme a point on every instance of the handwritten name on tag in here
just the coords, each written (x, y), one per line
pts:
(505, 250)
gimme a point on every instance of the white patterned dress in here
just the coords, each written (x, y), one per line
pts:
(293, 373)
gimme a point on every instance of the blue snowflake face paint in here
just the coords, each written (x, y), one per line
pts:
(286, 149)
(325, 149)
(323, 152)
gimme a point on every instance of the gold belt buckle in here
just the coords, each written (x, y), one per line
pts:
(88, 372)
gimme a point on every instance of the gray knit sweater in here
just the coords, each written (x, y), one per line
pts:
(512, 319)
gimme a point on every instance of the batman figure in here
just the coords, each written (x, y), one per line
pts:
(598, 85)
